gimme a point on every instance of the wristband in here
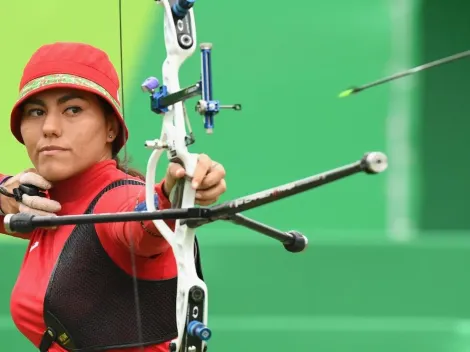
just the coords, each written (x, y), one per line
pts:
(2, 181)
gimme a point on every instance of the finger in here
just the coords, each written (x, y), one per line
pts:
(213, 192)
(215, 175)
(202, 168)
(34, 179)
(33, 170)
(173, 174)
(176, 170)
(25, 209)
(41, 203)
(206, 202)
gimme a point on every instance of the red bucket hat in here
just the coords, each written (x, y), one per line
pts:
(70, 65)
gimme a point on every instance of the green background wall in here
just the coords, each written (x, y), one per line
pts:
(445, 127)
(374, 277)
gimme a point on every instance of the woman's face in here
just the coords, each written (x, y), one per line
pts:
(65, 131)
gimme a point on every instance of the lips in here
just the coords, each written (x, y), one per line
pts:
(51, 147)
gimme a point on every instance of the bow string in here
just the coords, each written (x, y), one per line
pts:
(138, 317)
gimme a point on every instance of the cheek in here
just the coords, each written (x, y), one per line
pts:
(89, 135)
(31, 135)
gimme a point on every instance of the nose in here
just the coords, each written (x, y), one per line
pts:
(52, 126)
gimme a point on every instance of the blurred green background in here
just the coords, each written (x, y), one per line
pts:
(388, 256)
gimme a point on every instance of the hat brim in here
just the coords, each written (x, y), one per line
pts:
(16, 113)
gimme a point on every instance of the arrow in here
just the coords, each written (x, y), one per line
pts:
(411, 71)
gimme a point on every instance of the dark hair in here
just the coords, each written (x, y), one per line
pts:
(122, 165)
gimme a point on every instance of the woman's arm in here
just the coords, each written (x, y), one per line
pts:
(144, 238)
(208, 180)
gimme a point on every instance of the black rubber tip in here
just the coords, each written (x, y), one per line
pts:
(298, 244)
(21, 222)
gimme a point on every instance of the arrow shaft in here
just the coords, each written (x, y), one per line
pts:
(418, 69)
(411, 71)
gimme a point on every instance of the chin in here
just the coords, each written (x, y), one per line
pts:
(55, 171)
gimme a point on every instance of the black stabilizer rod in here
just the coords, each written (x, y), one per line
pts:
(371, 163)
(24, 222)
(292, 241)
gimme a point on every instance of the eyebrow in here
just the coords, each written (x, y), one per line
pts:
(63, 99)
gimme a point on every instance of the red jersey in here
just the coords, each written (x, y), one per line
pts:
(45, 245)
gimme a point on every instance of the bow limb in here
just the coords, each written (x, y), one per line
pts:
(191, 290)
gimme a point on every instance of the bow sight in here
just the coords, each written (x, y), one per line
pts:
(160, 100)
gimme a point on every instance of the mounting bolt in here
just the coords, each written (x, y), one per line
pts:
(197, 294)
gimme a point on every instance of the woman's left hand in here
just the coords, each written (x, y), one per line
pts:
(208, 179)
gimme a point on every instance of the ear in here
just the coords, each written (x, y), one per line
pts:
(112, 128)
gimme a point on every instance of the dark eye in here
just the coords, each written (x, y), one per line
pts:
(35, 112)
(74, 110)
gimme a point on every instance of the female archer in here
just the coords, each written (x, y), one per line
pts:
(75, 289)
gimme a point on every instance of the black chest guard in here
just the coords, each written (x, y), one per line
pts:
(90, 302)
